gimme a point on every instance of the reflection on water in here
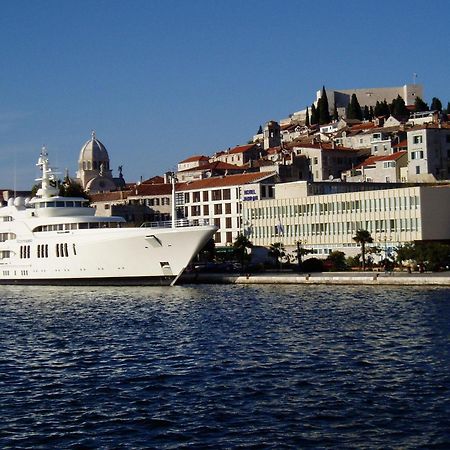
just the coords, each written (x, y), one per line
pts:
(224, 367)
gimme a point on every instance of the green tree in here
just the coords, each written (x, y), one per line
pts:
(420, 105)
(363, 237)
(324, 109)
(405, 252)
(314, 119)
(260, 130)
(335, 113)
(69, 188)
(240, 246)
(398, 107)
(277, 252)
(436, 104)
(366, 113)
(337, 260)
(381, 109)
(433, 255)
(354, 109)
(448, 108)
(300, 252)
(307, 117)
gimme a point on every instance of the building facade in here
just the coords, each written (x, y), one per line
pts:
(327, 223)
(219, 201)
(428, 153)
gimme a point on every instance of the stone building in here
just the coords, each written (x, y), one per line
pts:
(94, 173)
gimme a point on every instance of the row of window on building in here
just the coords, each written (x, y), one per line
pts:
(344, 229)
(338, 207)
(216, 195)
(217, 209)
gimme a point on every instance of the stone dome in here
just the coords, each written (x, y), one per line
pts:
(94, 151)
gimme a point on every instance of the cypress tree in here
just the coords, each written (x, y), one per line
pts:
(335, 113)
(448, 108)
(260, 130)
(420, 105)
(314, 119)
(366, 113)
(354, 110)
(371, 113)
(324, 109)
(382, 109)
(436, 104)
(398, 107)
(378, 109)
(307, 117)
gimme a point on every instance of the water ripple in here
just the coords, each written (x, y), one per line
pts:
(236, 367)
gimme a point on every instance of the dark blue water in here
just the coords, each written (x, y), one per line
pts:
(224, 367)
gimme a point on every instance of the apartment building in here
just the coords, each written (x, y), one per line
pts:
(218, 200)
(327, 161)
(326, 223)
(428, 153)
(380, 169)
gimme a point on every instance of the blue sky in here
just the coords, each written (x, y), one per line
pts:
(160, 81)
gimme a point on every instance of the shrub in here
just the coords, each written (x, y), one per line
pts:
(312, 265)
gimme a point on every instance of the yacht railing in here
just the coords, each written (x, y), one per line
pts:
(179, 223)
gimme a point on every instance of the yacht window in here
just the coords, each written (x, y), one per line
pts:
(83, 226)
(49, 204)
(59, 204)
(4, 254)
(69, 204)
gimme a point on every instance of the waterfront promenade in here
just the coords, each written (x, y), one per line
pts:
(335, 278)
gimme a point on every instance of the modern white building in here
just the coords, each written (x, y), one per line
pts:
(326, 223)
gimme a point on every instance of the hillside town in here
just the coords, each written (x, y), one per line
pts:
(373, 159)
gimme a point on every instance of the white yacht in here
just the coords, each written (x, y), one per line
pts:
(51, 239)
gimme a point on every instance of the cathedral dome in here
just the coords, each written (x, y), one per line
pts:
(94, 151)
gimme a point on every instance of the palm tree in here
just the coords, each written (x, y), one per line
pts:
(277, 251)
(300, 252)
(363, 237)
(240, 245)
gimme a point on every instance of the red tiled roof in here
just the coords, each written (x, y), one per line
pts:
(373, 159)
(110, 196)
(152, 189)
(362, 126)
(230, 180)
(403, 143)
(154, 180)
(195, 158)
(241, 149)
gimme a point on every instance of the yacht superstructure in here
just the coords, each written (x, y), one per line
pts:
(51, 239)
